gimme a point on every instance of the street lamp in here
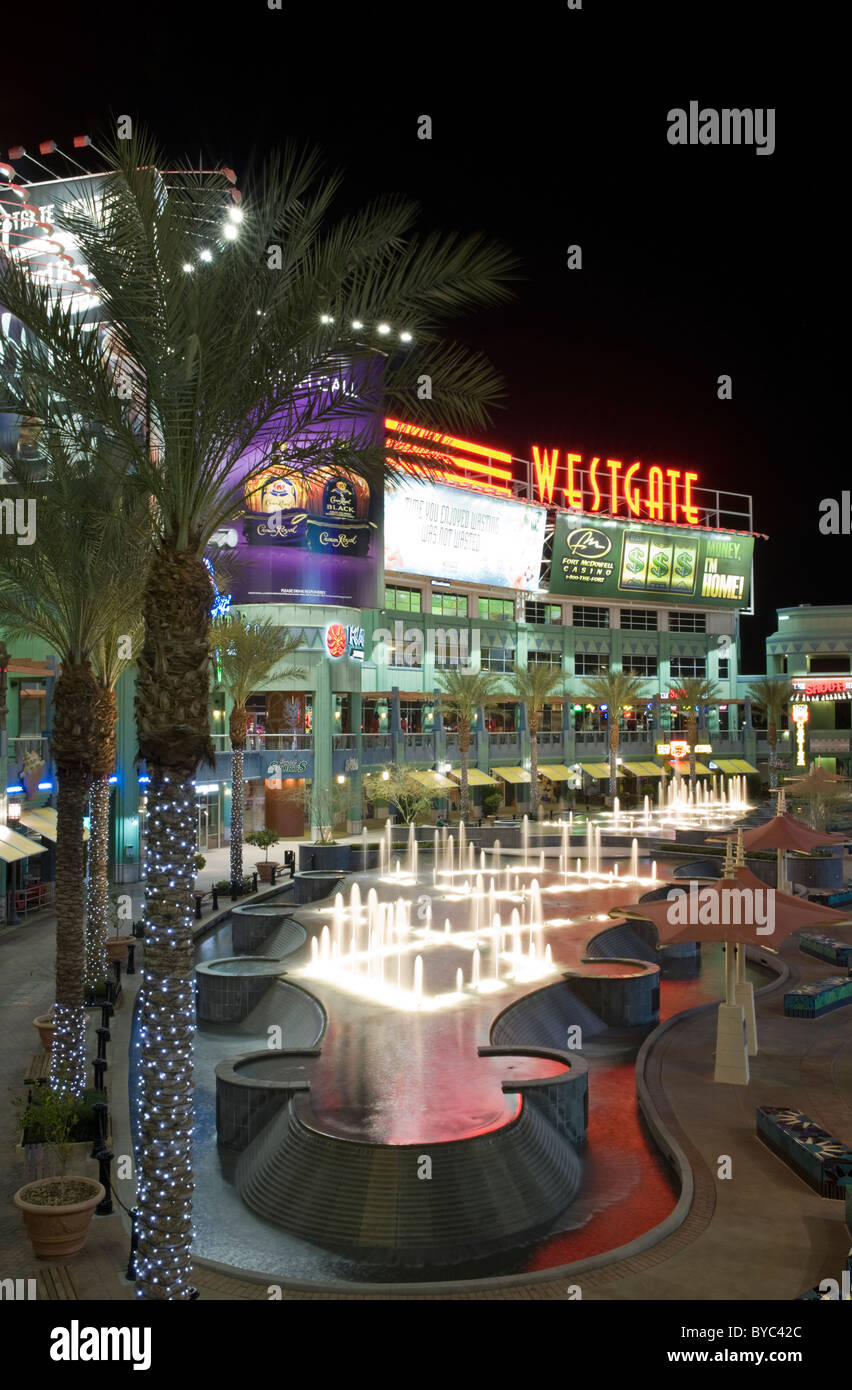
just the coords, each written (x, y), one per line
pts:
(13, 811)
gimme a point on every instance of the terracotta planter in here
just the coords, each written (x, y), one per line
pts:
(264, 870)
(116, 948)
(45, 1026)
(58, 1231)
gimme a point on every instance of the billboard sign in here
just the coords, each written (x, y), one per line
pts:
(597, 559)
(456, 534)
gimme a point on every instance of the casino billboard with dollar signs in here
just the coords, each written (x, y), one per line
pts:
(595, 558)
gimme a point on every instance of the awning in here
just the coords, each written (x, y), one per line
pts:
(475, 777)
(735, 765)
(556, 772)
(727, 765)
(683, 768)
(512, 774)
(14, 846)
(435, 781)
(643, 769)
(598, 769)
(43, 821)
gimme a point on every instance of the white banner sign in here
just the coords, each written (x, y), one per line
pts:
(450, 533)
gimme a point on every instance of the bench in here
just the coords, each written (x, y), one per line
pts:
(820, 997)
(38, 1069)
(813, 943)
(57, 1284)
(814, 1155)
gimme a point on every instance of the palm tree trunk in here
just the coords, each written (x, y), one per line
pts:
(174, 739)
(68, 1060)
(613, 754)
(236, 819)
(97, 902)
(534, 790)
(464, 789)
(166, 1030)
(692, 735)
(773, 752)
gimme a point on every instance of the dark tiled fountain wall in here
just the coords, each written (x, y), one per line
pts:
(228, 998)
(621, 1001)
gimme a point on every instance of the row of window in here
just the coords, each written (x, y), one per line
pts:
(503, 610)
(502, 660)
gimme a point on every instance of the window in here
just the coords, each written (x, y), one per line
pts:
(639, 619)
(497, 658)
(590, 664)
(404, 600)
(542, 658)
(724, 668)
(587, 616)
(409, 652)
(688, 667)
(639, 665)
(543, 612)
(687, 622)
(450, 605)
(501, 610)
(828, 664)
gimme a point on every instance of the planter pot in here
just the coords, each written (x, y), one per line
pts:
(264, 869)
(56, 1232)
(116, 948)
(45, 1028)
(326, 857)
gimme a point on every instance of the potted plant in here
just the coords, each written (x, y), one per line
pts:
(491, 803)
(199, 861)
(31, 771)
(57, 1210)
(45, 1025)
(264, 839)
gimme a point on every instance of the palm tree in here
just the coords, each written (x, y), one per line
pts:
(462, 695)
(534, 685)
(694, 693)
(616, 691)
(68, 590)
(248, 655)
(773, 697)
(206, 367)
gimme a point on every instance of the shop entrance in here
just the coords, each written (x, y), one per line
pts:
(209, 828)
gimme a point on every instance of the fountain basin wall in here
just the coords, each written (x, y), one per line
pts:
(251, 1089)
(816, 872)
(312, 885)
(251, 925)
(563, 1100)
(227, 990)
(489, 1192)
(313, 857)
(622, 1001)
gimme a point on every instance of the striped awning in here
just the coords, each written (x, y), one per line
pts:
(435, 781)
(43, 821)
(700, 769)
(597, 769)
(512, 774)
(14, 846)
(643, 769)
(556, 772)
(734, 766)
(476, 777)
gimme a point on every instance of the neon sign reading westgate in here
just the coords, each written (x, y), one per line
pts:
(610, 487)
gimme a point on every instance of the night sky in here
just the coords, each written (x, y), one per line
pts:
(549, 128)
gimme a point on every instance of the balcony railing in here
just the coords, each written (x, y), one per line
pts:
(19, 747)
(549, 738)
(377, 740)
(270, 743)
(419, 740)
(344, 740)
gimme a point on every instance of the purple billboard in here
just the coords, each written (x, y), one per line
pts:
(311, 527)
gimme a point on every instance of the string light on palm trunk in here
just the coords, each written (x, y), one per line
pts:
(68, 1056)
(167, 1026)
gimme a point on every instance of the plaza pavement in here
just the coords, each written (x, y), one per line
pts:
(762, 1234)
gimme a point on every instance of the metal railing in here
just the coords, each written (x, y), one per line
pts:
(270, 743)
(19, 747)
(344, 740)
